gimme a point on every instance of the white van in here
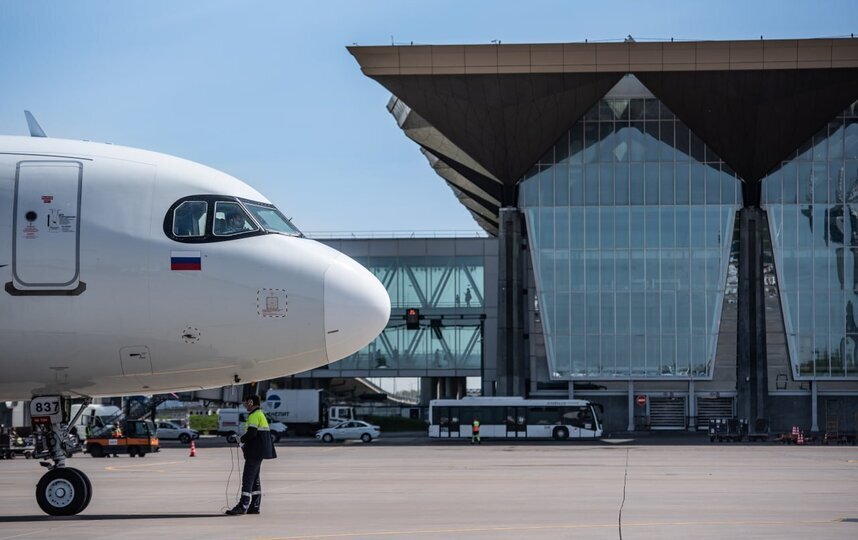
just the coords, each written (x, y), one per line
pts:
(232, 423)
(100, 417)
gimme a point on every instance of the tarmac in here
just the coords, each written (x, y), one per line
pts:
(408, 486)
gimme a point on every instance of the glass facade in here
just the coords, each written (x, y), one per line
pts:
(445, 286)
(630, 218)
(812, 206)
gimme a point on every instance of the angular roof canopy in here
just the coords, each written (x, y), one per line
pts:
(489, 112)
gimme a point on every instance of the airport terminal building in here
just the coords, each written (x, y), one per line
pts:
(674, 220)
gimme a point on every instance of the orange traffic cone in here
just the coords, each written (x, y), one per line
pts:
(193, 449)
(800, 437)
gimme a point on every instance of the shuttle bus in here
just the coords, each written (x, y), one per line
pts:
(515, 418)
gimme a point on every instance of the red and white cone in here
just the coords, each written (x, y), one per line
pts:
(800, 437)
(193, 449)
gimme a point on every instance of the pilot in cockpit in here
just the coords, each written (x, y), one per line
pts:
(233, 222)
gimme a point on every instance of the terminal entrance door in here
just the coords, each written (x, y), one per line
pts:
(516, 422)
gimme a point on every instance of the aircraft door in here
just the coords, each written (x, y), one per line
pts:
(45, 230)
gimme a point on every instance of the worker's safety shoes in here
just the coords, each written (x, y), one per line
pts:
(237, 510)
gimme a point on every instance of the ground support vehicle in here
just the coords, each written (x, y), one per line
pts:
(138, 439)
(305, 410)
(727, 429)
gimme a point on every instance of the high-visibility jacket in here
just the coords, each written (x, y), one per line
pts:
(476, 426)
(257, 440)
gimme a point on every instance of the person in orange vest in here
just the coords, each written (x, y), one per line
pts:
(475, 432)
(117, 431)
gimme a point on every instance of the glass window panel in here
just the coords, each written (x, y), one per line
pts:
(606, 184)
(652, 142)
(562, 315)
(638, 312)
(621, 184)
(683, 355)
(578, 355)
(772, 188)
(636, 109)
(805, 312)
(698, 312)
(668, 313)
(593, 313)
(636, 184)
(667, 141)
(682, 217)
(606, 270)
(623, 355)
(561, 185)
(591, 188)
(637, 142)
(681, 173)
(652, 227)
(638, 355)
(606, 228)
(820, 312)
(820, 145)
(805, 183)
(789, 175)
(591, 227)
(819, 175)
(561, 149)
(668, 355)
(621, 227)
(530, 193)
(608, 138)
(576, 271)
(591, 136)
(698, 183)
(805, 355)
(651, 109)
(652, 183)
(664, 112)
(667, 228)
(623, 312)
(729, 189)
(682, 141)
(593, 356)
(576, 228)
(576, 185)
(850, 139)
(608, 354)
(546, 186)
(638, 270)
(836, 350)
(622, 270)
(713, 186)
(638, 227)
(713, 227)
(576, 143)
(546, 269)
(699, 354)
(653, 355)
(666, 195)
(592, 264)
(561, 228)
(682, 269)
(683, 312)
(653, 313)
(607, 314)
(836, 183)
(578, 313)
(561, 268)
(546, 227)
(697, 148)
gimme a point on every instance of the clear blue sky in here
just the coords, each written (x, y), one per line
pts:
(266, 91)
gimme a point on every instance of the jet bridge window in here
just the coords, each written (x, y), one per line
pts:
(189, 219)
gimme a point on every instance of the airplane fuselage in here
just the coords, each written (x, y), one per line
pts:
(100, 297)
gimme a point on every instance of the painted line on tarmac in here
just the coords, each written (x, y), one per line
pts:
(545, 528)
(116, 468)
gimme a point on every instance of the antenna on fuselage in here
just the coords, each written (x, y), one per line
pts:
(35, 129)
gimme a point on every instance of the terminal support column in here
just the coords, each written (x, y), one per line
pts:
(512, 364)
(751, 379)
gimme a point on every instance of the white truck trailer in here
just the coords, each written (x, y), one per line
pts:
(304, 411)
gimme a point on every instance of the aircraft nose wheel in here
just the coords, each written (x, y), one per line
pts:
(63, 491)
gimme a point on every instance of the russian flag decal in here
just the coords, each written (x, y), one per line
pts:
(185, 260)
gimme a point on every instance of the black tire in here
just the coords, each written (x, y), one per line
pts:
(366, 437)
(275, 436)
(95, 450)
(328, 438)
(132, 451)
(88, 487)
(62, 492)
(560, 434)
(141, 453)
(184, 438)
(231, 438)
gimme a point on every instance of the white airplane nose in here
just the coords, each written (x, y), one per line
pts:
(357, 308)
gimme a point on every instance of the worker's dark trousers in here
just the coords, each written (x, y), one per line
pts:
(251, 487)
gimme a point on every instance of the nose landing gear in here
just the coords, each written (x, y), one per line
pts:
(63, 491)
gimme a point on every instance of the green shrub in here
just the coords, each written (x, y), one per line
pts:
(204, 423)
(396, 423)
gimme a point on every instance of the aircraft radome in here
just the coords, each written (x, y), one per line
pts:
(132, 272)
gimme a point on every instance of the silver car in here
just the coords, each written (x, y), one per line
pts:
(351, 429)
(169, 430)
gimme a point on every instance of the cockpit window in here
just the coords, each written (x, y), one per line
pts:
(231, 219)
(271, 219)
(189, 219)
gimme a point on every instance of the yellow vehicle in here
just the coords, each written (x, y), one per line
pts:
(137, 438)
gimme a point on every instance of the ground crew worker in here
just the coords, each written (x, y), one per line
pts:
(475, 432)
(117, 431)
(257, 445)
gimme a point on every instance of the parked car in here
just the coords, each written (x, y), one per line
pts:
(353, 429)
(169, 430)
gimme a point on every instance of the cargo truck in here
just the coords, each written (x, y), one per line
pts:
(304, 411)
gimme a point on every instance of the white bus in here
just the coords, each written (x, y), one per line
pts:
(515, 418)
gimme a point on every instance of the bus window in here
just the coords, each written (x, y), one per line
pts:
(543, 416)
